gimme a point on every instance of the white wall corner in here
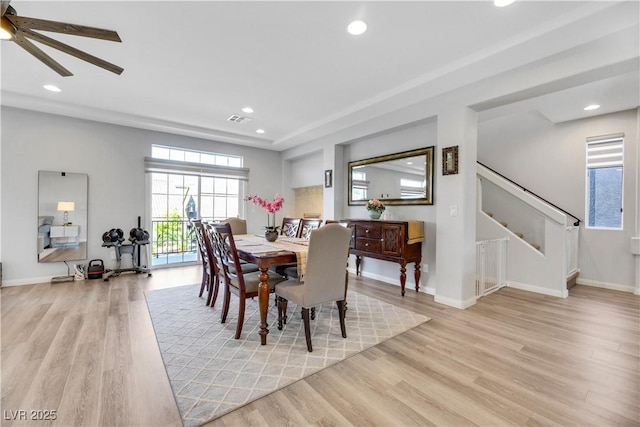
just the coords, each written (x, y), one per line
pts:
(461, 304)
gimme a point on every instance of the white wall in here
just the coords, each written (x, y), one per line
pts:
(113, 157)
(419, 136)
(549, 159)
(306, 172)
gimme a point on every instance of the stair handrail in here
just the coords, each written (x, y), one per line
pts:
(576, 223)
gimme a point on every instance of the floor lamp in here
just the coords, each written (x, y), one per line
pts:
(65, 207)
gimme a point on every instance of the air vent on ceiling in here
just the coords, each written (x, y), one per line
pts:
(237, 118)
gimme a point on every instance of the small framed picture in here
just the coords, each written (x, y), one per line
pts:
(450, 160)
(328, 178)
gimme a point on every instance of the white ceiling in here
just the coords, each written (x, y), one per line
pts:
(191, 65)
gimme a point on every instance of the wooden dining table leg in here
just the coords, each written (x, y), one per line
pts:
(263, 299)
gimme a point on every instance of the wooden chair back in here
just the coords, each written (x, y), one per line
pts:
(307, 225)
(225, 249)
(209, 264)
(290, 227)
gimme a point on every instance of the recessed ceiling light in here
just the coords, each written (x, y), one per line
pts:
(247, 110)
(260, 131)
(52, 88)
(502, 3)
(357, 27)
(591, 107)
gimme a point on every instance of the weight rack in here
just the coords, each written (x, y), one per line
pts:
(132, 249)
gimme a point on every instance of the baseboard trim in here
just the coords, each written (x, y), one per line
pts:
(454, 302)
(538, 289)
(27, 281)
(410, 284)
(605, 285)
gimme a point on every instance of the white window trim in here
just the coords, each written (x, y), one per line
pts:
(594, 140)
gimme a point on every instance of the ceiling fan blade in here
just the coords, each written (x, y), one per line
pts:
(25, 22)
(46, 59)
(4, 5)
(71, 51)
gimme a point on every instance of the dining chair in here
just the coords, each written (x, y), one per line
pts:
(238, 225)
(324, 279)
(290, 227)
(244, 285)
(307, 225)
(246, 266)
(210, 279)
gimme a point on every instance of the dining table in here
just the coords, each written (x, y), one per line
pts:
(257, 250)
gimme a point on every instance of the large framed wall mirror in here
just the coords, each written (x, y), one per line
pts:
(404, 178)
(62, 216)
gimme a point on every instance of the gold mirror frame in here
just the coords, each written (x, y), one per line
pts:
(391, 201)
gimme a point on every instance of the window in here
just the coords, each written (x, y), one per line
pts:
(360, 185)
(189, 184)
(605, 157)
(412, 188)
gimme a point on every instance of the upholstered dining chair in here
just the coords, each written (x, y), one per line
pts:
(238, 225)
(210, 279)
(324, 278)
(290, 227)
(243, 285)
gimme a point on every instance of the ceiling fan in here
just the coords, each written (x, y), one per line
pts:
(21, 28)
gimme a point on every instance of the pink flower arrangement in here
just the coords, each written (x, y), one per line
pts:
(375, 205)
(271, 208)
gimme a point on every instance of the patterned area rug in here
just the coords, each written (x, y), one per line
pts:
(211, 373)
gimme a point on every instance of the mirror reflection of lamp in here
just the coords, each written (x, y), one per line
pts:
(66, 207)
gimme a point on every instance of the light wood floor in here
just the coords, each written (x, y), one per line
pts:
(87, 350)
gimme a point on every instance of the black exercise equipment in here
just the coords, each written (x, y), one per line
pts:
(114, 238)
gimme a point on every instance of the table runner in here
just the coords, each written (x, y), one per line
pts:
(257, 244)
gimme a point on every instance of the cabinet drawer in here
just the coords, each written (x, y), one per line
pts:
(372, 231)
(368, 245)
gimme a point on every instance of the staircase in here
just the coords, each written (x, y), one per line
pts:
(518, 234)
(542, 249)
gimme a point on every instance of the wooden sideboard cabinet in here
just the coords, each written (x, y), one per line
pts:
(395, 241)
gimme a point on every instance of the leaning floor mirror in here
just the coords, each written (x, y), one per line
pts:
(62, 216)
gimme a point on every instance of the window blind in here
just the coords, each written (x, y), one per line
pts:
(605, 153)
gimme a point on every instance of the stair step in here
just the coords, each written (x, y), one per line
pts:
(504, 224)
(535, 245)
(520, 235)
(490, 214)
(571, 280)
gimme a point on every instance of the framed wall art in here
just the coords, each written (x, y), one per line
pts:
(328, 178)
(450, 160)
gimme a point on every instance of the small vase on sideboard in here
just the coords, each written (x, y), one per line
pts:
(373, 214)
